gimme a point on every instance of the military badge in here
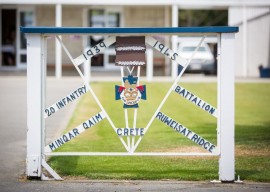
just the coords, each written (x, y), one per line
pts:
(130, 93)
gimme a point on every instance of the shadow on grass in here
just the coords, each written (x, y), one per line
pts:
(135, 168)
(253, 134)
(177, 174)
(253, 175)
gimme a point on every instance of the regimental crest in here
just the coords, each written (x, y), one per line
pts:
(130, 93)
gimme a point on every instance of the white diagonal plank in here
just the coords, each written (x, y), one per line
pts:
(186, 132)
(65, 101)
(97, 49)
(166, 51)
(196, 100)
(75, 132)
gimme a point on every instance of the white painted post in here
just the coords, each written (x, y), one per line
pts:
(174, 68)
(150, 65)
(226, 107)
(58, 49)
(35, 103)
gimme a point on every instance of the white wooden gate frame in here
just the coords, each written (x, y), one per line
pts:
(36, 77)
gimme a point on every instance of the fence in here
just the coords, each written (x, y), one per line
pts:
(37, 150)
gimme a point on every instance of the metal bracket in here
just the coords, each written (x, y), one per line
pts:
(51, 171)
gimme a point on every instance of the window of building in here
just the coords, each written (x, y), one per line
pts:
(26, 18)
(109, 17)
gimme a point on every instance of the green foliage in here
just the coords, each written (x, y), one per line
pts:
(188, 18)
(252, 136)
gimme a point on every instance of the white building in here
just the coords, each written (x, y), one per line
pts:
(253, 39)
(252, 16)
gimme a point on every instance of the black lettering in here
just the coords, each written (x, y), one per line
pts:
(212, 110)
(159, 115)
(98, 117)
(161, 47)
(136, 131)
(211, 148)
(65, 138)
(191, 96)
(198, 104)
(76, 132)
(172, 124)
(182, 92)
(52, 147)
(174, 56)
(94, 120)
(48, 112)
(194, 100)
(68, 99)
(203, 105)
(118, 132)
(60, 103)
(84, 87)
(206, 145)
(164, 118)
(188, 133)
(97, 49)
(178, 128)
(57, 144)
(125, 131)
(52, 109)
(155, 43)
(207, 107)
(187, 94)
(194, 137)
(168, 121)
(176, 125)
(70, 135)
(141, 131)
(80, 91)
(85, 126)
(167, 54)
(89, 52)
(198, 140)
(76, 93)
(201, 142)
(184, 131)
(91, 123)
(102, 44)
(84, 56)
(177, 89)
(57, 106)
(72, 96)
(60, 141)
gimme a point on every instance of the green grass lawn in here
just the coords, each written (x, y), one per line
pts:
(252, 136)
